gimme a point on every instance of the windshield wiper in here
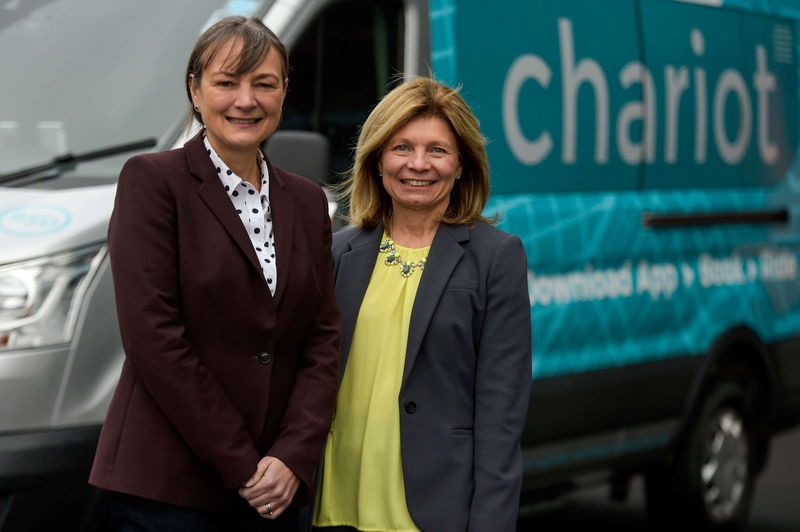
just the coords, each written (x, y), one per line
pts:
(70, 160)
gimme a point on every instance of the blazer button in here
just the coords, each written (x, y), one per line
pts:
(265, 358)
(411, 407)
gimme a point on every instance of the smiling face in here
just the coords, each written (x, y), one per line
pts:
(239, 110)
(420, 163)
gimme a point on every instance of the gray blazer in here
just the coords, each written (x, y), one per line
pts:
(467, 376)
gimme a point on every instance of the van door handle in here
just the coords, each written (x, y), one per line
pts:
(658, 220)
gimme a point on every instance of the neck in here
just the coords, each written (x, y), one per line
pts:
(413, 229)
(243, 164)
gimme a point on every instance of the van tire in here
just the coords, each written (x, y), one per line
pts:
(711, 481)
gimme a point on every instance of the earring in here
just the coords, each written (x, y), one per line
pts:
(197, 108)
(458, 177)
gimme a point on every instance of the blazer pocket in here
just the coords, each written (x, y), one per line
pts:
(462, 284)
(462, 431)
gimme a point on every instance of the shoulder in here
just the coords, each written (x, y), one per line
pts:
(151, 185)
(173, 157)
(154, 167)
(491, 250)
(341, 239)
(484, 230)
(490, 238)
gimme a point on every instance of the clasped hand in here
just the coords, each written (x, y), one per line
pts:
(273, 483)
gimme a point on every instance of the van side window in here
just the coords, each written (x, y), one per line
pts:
(342, 64)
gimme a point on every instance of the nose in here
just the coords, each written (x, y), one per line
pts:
(245, 96)
(419, 160)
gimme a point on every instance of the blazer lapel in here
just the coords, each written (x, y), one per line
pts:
(282, 226)
(214, 196)
(445, 253)
(353, 274)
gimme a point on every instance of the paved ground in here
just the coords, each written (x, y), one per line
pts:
(776, 507)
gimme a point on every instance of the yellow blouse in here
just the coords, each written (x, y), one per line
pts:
(362, 480)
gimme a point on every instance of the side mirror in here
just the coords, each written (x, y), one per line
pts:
(306, 153)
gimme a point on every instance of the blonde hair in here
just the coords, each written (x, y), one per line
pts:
(369, 203)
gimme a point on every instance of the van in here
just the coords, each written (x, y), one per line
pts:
(643, 150)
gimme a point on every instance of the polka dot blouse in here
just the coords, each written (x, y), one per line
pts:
(254, 211)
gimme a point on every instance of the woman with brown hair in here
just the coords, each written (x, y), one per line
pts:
(222, 275)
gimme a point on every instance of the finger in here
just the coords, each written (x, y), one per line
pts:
(261, 468)
(280, 495)
(266, 488)
(272, 510)
(271, 483)
(275, 499)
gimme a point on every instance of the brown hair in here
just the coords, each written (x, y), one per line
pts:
(256, 39)
(422, 97)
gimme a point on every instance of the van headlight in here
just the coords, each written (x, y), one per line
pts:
(40, 299)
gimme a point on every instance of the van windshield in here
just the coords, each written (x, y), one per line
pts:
(79, 75)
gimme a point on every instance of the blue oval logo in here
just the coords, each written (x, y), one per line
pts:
(33, 220)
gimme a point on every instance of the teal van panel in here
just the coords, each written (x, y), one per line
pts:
(569, 106)
(588, 129)
(726, 92)
(443, 40)
(783, 8)
(545, 57)
(606, 292)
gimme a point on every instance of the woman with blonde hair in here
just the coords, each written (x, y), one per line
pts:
(436, 346)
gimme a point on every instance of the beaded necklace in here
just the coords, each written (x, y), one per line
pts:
(393, 258)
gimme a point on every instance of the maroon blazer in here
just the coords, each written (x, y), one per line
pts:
(218, 373)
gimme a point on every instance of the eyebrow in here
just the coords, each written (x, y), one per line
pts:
(405, 140)
(234, 74)
(268, 75)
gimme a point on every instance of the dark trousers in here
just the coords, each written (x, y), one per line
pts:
(135, 514)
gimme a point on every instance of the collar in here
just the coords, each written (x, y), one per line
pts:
(229, 179)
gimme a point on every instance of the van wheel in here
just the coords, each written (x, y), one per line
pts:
(710, 484)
